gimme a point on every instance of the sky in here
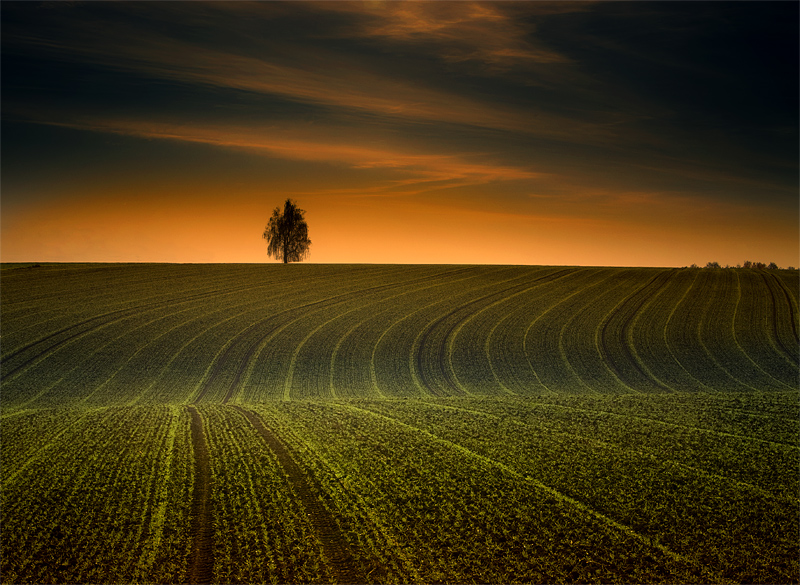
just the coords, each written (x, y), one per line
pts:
(557, 133)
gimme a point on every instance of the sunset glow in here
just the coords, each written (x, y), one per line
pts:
(659, 134)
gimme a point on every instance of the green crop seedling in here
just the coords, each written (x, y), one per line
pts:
(396, 424)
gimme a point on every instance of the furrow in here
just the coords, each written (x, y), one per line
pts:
(201, 561)
(448, 341)
(176, 353)
(287, 387)
(9, 374)
(90, 363)
(791, 354)
(226, 357)
(335, 353)
(580, 353)
(67, 303)
(105, 319)
(441, 347)
(581, 506)
(667, 336)
(334, 545)
(511, 350)
(540, 354)
(689, 347)
(792, 312)
(629, 307)
(245, 367)
(371, 375)
(361, 306)
(739, 346)
(713, 315)
(405, 316)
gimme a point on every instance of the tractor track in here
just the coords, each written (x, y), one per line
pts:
(442, 351)
(789, 354)
(201, 560)
(644, 294)
(99, 321)
(789, 302)
(227, 357)
(334, 546)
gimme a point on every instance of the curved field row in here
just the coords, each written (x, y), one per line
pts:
(261, 530)
(281, 331)
(637, 487)
(780, 295)
(461, 517)
(48, 318)
(104, 503)
(254, 333)
(224, 373)
(717, 501)
(546, 336)
(335, 548)
(615, 336)
(93, 361)
(82, 353)
(313, 359)
(434, 354)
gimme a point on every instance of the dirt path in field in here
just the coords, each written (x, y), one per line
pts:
(201, 561)
(334, 546)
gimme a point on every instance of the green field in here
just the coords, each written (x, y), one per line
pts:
(379, 423)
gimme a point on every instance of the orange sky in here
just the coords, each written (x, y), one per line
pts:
(374, 230)
(471, 132)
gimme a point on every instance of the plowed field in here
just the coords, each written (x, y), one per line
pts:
(376, 423)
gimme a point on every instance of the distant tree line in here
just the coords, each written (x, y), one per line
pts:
(747, 264)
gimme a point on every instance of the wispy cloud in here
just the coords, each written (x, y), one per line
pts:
(409, 171)
(618, 111)
(491, 33)
(335, 80)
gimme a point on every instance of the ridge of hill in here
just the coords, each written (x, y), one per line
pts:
(100, 335)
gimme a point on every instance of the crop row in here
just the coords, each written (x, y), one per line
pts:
(159, 350)
(98, 496)
(724, 502)
(261, 532)
(106, 495)
(688, 487)
(143, 334)
(461, 517)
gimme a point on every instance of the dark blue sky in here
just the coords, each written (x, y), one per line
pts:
(525, 132)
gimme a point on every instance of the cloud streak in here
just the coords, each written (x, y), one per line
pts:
(334, 80)
(558, 113)
(464, 31)
(419, 171)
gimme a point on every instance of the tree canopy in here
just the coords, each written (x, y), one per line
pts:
(287, 234)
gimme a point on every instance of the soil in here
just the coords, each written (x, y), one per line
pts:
(334, 546)
(201, 561)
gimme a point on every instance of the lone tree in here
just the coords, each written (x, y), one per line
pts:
(287, 234)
